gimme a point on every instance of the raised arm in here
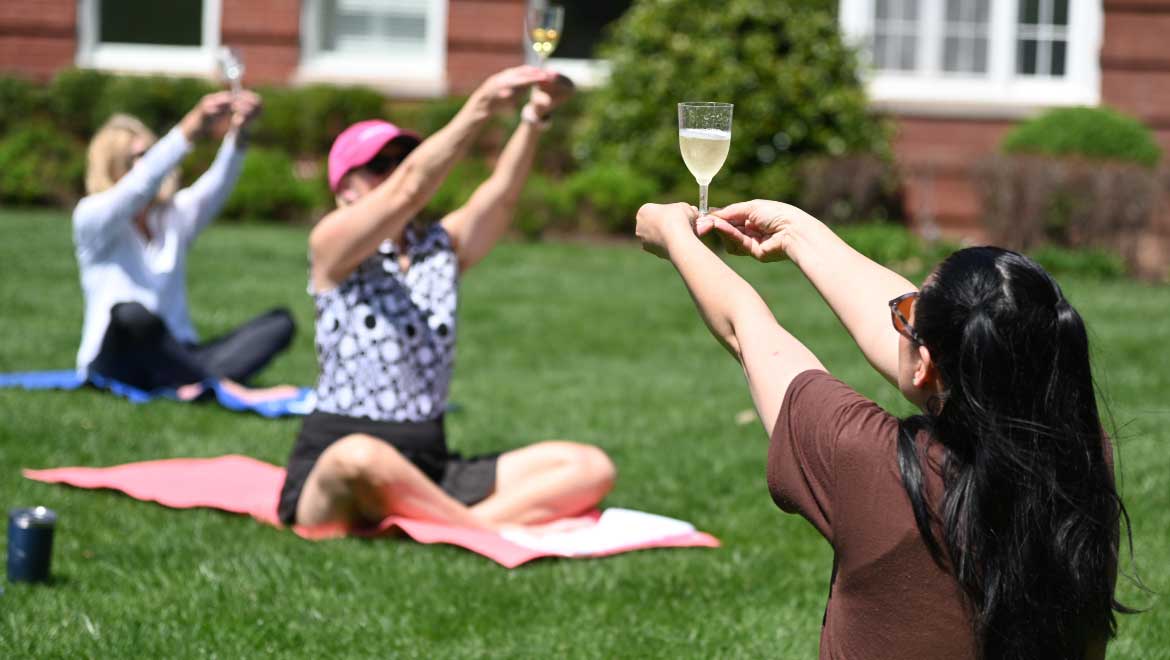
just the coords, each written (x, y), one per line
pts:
(856, 288)
(771, 357)
(94, 217)
(199, 203)
(477, 225)
(350, 234)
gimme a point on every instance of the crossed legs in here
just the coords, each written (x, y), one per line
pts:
(363, 479)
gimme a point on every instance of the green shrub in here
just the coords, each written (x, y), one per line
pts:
(545, 204)
(1092, 263)
(158, 101)
(1097, 133)
(896, 247)
(73, 100)
(305, 121)
(39, 164)
(783, 64)
(457, 188)
(268, 189)
(20, 100)
(608, 197)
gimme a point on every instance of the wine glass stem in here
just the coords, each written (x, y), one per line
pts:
(702, 199)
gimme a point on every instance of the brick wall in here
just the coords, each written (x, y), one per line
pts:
(37, 37)
(936, 155)
(483, 36)
(267, 34)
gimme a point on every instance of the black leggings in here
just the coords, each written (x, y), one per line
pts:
(138, 350)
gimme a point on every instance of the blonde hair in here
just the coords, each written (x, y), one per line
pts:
(111, 152)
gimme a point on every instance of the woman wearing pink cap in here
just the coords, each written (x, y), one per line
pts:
(385, 288)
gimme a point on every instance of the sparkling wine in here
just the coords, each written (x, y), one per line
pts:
(704, 150)
(544, 40)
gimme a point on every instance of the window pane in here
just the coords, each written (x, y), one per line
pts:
(587, 20)
(368, 25)
(1058, 58)
(1026, 57)
(951, 47)
(908, 50)
(980, 55)
(1030, 11)
(1060, 12)
(965, 35)
(171, 23)
(895, 29)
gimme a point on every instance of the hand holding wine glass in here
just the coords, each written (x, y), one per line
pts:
(704, 137)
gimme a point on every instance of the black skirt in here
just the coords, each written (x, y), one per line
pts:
(468, 480)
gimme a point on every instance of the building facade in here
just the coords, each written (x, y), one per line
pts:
(955, 75)
(405, 47)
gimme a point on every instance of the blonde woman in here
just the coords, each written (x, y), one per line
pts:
(132, 233)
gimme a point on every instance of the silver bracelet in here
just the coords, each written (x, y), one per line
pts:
(528, 114)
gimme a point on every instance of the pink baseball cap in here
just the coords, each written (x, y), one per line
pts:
(359, 143)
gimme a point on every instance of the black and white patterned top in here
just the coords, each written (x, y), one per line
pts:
(386, 338)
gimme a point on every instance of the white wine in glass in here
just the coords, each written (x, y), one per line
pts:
(704, 137)
(544, 26)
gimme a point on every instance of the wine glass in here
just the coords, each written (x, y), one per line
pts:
(704, 137)
(544, 27)
(232, 68)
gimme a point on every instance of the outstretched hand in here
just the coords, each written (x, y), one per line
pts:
(205, 113)
(502, 89)
(659, 223)
(760, 228)
(550, 94)
(246, 107)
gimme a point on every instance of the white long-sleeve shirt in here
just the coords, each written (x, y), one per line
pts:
(117, 263)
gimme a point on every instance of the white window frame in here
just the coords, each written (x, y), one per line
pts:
(146, 58)
(1001, 92)
(405, 73)
(586, 73)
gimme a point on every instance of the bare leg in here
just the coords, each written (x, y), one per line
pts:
(546, 481)
(361, 479)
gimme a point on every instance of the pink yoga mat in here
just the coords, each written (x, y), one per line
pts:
(244, 485)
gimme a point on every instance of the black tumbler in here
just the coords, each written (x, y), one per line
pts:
(30, 544)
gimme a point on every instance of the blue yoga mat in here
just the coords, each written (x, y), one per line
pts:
(301, 404)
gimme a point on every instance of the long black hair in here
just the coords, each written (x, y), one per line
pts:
(1030, 515)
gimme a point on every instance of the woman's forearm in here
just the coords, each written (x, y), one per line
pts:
(856, 288)
(201, 201)
(345, 237)
(740, 319)
(485, 217)
(724, 299)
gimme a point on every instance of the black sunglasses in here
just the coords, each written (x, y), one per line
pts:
(383, 164)
(900, 308)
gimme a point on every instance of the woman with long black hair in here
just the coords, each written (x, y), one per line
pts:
(985, 527)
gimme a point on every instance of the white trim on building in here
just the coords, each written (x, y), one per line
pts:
(146, 58)
(991, 85)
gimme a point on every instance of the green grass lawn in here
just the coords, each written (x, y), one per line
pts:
(593, 343)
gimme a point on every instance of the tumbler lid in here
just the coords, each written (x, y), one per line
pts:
(37, 516)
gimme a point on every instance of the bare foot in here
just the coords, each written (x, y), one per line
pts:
(259, 394)
(189, 392)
